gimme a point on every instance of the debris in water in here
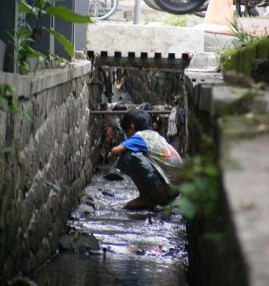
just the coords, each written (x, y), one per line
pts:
(108, 193)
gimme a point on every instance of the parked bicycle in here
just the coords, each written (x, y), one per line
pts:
(179, 7)
(103, 9)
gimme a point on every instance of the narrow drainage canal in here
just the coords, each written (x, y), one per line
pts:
(105, 245)
(136, 248)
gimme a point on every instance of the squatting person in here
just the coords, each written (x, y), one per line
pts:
(148, 159)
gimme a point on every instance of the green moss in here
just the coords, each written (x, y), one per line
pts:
(247, 55)
(263, 49)
(229, 60)
(241, 60)
(176, 20)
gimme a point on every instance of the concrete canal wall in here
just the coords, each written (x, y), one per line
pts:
(51, 152)
(231, 247)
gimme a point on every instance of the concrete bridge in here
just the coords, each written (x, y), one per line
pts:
(141, 39)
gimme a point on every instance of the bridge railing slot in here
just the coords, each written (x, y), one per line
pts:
(103, 54)
(131, 55)
(117, 54)
(157, 56)
(143, 55)
(171, 56)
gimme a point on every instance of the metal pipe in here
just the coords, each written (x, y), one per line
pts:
(137, 12)
(114, 112)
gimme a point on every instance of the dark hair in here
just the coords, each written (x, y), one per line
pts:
(138, 117)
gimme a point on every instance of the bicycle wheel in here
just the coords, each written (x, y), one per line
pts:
(102, 9)
(152, 5)
(201, 11)
(180, 6)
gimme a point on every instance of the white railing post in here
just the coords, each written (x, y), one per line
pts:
(137, 12)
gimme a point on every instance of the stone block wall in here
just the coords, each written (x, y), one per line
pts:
(51, 160)
(154, 87)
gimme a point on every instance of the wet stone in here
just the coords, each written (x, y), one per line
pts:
(82, 241)
(86, 208)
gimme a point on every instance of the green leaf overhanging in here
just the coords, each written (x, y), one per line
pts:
(68, 46)
(28, 9)
(68, 15)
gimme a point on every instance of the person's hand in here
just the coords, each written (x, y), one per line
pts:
(116, 151)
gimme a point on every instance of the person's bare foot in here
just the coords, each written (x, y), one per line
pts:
(139, 204)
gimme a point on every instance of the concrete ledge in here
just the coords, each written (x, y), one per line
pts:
(238, 118)
(144, 39)
(26, 85)
(217, 99)
(256, 26)
(245, 164)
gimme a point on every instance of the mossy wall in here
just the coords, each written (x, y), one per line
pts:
(241, 59)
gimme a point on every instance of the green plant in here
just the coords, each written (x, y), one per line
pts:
(27, 35)
(244, 37)
(176, 20)
(228, 56)
(224, 58)
(23, 50)
(8, 106)
(146, 18)
(7, 89)
(55, 61)
(9, 103)
(199, 186)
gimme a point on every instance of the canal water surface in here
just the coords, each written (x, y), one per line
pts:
(136, 248)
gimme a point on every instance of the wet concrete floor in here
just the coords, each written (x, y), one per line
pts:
(136, 247)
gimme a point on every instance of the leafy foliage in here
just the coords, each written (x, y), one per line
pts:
(176, 20)
(23, 42)
(227, 56)
(8, 106)
(7, 89)
(27, 35)
(170, 20)
(243, 36)
(198, 185)
(67, 14)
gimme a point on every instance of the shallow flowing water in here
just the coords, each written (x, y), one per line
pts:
(136, 248)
